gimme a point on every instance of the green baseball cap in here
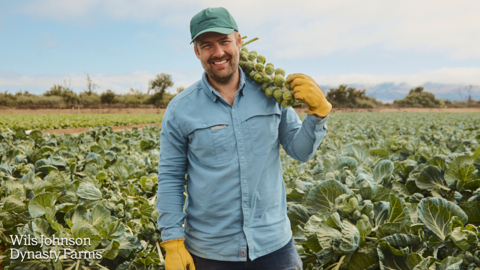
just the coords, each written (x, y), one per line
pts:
(212, 20)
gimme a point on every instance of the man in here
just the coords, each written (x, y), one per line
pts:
(221, 137)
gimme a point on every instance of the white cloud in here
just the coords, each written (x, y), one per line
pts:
(119, 83)
(461, 76)
(306, 29)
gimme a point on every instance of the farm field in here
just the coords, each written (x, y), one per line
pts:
(62, 121)
(383, 191)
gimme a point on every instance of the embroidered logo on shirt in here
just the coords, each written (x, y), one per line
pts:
(242, 252)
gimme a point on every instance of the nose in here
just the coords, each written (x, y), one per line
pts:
(217, 51)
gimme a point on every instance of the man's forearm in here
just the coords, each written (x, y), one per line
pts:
(300, 141)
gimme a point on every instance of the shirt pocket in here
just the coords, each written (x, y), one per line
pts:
(210, 145)
(263, 129)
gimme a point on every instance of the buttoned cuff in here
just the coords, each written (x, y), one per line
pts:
(172, 233)
(319, 123)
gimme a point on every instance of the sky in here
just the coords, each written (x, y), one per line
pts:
(385, 47)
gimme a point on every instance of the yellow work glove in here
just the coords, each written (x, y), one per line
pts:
(177, 257)
(306, 89)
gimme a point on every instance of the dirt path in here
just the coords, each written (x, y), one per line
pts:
(82, 129)
(157, 111)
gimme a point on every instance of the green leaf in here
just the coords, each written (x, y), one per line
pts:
(13, 203)
(112, 250)
(350, 238)
(472, 209)
(356, 151)
(460, 169)
(56, 179)
(431, 177)
(298, 215)
(86, 231)
(464, 239)
(89, 192)
(436, 214)
(322, 196)
(362, 258)
(383, 171)
(381, 194)
(37, 205)
(391, 258)
(438, 161)
(388, 229)
(450, 263)
(425, 263)
(398, 211)
(99, 214)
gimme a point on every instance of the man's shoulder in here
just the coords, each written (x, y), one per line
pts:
(186, 96)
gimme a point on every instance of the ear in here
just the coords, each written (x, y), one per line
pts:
(239, 40)
(196, 51)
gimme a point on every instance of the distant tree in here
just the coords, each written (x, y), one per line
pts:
(107, 97)
(65, 93)
(180, 89)
(417, 96)
(350, 98)
(159, 85)
(90, 85)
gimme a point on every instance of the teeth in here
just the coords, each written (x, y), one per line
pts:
(221, 62)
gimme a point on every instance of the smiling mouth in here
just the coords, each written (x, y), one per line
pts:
(220, 62)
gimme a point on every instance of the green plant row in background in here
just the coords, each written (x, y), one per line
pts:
(59, 121)
(383, 191)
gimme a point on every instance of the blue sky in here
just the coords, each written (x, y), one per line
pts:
(382, 46)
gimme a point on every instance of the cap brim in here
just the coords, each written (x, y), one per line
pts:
(225, 31)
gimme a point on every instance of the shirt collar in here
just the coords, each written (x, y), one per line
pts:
(213, 94)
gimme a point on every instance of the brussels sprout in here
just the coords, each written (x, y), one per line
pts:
(244, 56)
(241, 63)
(251, 56)
(367, 208)
(252, 74)
(287, 96)
(280, 71)
(356, 215)
(127, 217)
(278, 94)
(244, 49)
(371, 215)
(288, 85)
(254, 53)
(286, 104)
(258, 78)
(279, 80)
(269, 91)
(265, 85)
(270, 64)
(259, 67)
(261, 59)
(267, 79)
(249, 65)
(269, 70)
(129, 203)
(279, 100)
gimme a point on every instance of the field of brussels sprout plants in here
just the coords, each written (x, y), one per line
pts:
(383, 191)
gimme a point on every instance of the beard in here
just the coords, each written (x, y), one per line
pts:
(224, 75)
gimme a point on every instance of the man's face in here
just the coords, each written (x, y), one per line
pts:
(219, 54)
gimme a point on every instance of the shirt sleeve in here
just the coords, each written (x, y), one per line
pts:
(301, 139)
(172, 168)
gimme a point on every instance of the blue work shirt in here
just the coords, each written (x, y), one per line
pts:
(229, 159)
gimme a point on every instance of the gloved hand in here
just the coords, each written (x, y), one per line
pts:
(306, 89)
(177, 257)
